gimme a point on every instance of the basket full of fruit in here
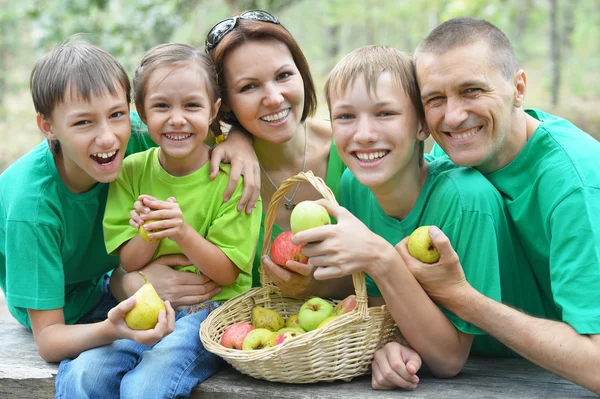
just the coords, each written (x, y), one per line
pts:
(266, 335)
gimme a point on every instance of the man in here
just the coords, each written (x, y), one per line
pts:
(547, 171)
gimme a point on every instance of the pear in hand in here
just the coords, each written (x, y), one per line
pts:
(421, 246)
(266, 318)
(144, 315)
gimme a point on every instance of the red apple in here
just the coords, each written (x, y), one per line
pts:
(345, 306)
(287, 334)
(234, 335)
(283, 250)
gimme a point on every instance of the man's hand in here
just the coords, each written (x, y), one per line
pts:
(395, 366)
(443, 281)
(293, 281)
(237, 150)
(164, 327)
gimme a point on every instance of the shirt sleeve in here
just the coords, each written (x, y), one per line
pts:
(34, 269)
(235, 232)
(575, 259)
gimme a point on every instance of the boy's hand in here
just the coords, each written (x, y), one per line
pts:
(395, 366)
(167, 218)
(165, 325)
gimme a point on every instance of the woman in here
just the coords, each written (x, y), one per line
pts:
(267, 89)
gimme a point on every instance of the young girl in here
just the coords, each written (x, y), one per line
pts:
(268, 90)
(168, 191)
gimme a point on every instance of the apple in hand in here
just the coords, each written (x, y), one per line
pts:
(285, 335)
(283, 250)
(345, 306)
(259, 338)
(421, 246)
(144, 233)
(234, 335)
(308, 214)
(313, 312)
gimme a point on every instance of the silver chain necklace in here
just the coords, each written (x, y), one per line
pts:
(289, 204)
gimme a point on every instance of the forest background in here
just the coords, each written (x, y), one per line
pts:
(557, 42)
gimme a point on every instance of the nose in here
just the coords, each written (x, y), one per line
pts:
(106, 137)
(273, 96)
(455, 113)
(365, 130)
(177, 119)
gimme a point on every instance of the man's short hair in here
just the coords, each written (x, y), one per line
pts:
(462, 31)
(78, 68)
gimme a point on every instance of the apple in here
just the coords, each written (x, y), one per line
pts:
(259, 338)
(327, 320)
(297, 329)
(307, 215)
(313, 312)
(234, 335)
(421, 246)
(144, 233)
(293, 321)
(283, 250)
(285, 335)
(345, 306)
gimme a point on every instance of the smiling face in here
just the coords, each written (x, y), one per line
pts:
(178, 111)
(377, 132)
(469, 106)
(265, 90)
(93, 136)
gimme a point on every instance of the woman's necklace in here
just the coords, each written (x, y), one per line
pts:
(289, 204)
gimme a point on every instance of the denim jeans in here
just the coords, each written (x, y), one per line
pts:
(126, 369)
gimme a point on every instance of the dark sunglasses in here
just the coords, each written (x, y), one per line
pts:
(224, 26)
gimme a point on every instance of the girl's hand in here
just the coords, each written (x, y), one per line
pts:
(167, 218)
(136, 214)
(164, 327)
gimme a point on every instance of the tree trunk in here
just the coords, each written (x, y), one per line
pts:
(554, 54)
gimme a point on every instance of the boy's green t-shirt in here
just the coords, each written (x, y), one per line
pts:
(51, 241)
(335, 169)
(467, 208)
(201, 201)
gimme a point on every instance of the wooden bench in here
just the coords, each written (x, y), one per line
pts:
(23, 374)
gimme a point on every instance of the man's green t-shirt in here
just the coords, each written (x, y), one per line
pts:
(467, 208)
(335, 168)
(201, 201)
(52, 250)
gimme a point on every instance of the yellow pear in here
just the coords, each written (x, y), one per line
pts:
(266, 318)
(144, 233)
(144, 315)
(421, 246)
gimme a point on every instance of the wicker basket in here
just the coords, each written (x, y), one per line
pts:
(341, 350)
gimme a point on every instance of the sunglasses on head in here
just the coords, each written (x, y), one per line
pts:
(224, 26)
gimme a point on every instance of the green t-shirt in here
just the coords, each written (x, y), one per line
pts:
(51, 243)
(467, 208)
(552, 191)
(335, 168)
(201, 201)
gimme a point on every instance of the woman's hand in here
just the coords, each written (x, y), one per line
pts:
(293, 280)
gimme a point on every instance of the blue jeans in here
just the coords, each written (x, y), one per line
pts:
(126, 369)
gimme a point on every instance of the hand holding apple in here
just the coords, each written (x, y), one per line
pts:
(421, 246)
(283, 250)
(307, 215)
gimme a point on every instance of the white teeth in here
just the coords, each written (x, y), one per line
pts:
(468, 133)
(277, 116)
(178, 137)
(105, 154)
(371, 156)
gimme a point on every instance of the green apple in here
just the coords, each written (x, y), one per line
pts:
(144, 233)
(296, 329)
(293, 321)
(307, 215)
(259, 338)
(285, 335)
(421, 247)
(313, 312)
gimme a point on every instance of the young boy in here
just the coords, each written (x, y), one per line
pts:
(54, 264)
(388, 191)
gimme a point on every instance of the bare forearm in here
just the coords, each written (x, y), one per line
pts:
(556, 346)
(424, 326)
(136, 253)
(124, 284)
(208, 258)
(58, 342)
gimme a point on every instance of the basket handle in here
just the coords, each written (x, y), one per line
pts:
(358, 279)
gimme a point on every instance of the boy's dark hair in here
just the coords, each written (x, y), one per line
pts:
(76, 68)
(172, 55)
(462, 31)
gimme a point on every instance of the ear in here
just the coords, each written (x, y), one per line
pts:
(423, 132)
(45, 126)
(215, 110)
(520, 82)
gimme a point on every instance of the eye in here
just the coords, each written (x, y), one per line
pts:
(117, 114)
(385, 113)
(248, 87)
(193, 105)
(472, 91)
(345, 117)
(284, 75)
(434, 101)
(82, 123)
(160, 105)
